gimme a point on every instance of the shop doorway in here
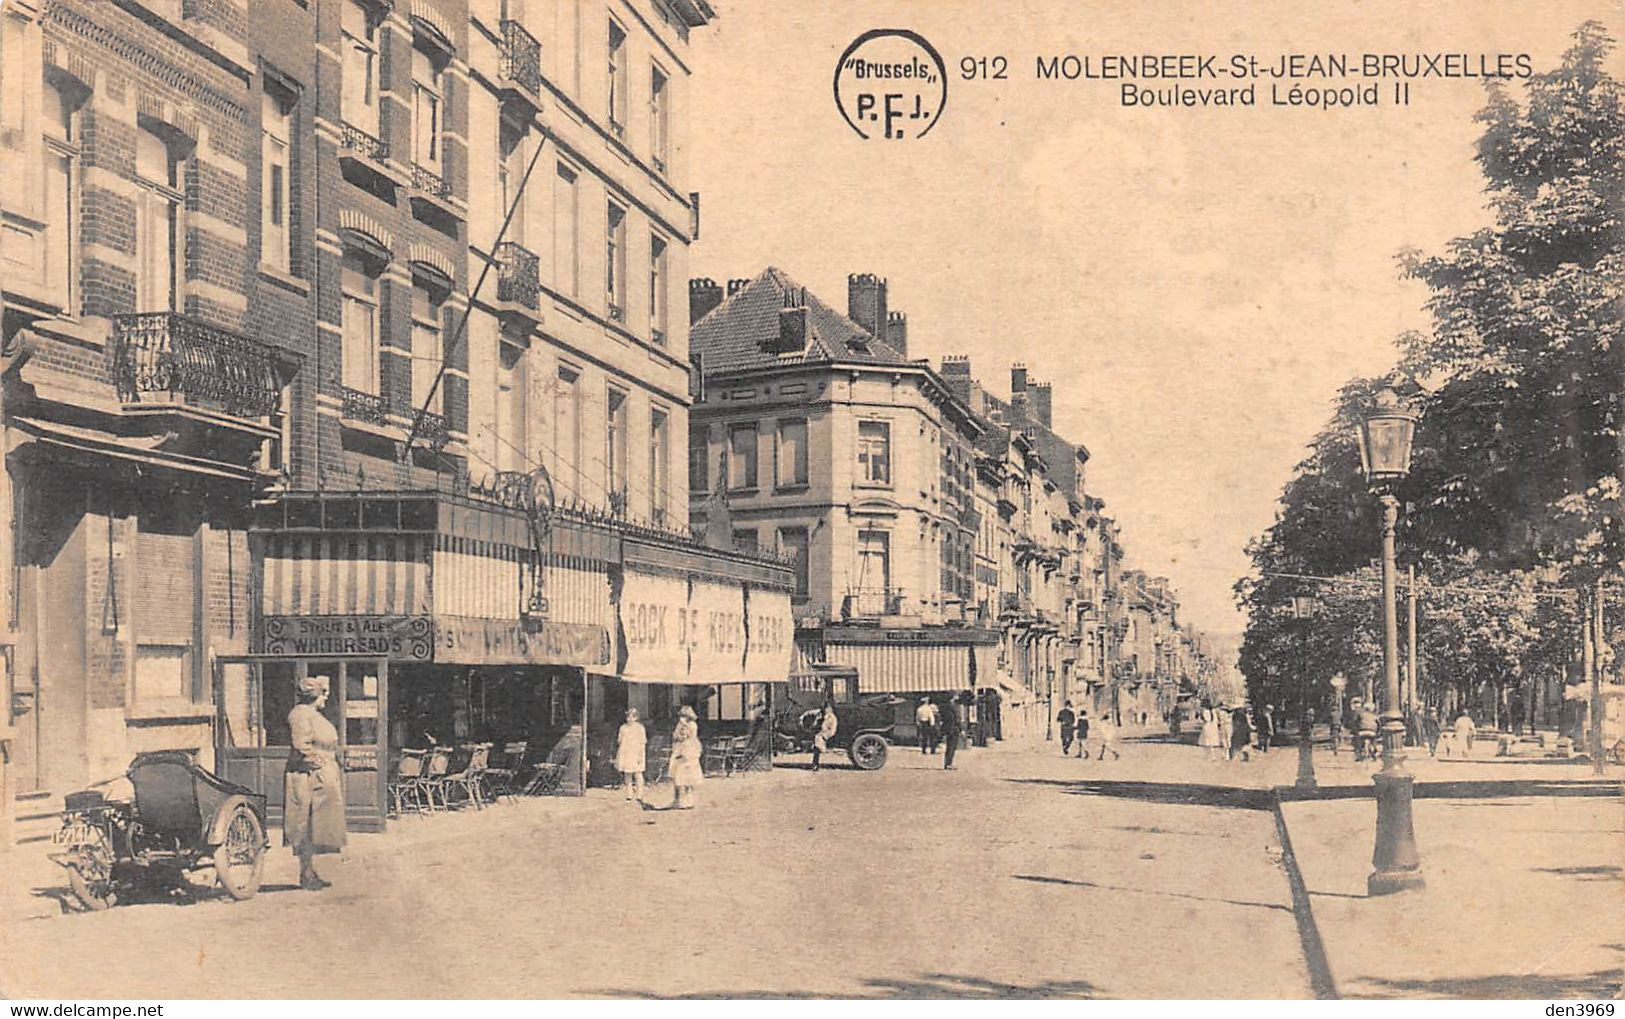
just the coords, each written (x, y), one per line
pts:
(253, 695)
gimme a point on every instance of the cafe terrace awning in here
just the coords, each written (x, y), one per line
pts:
(430, 576)
(693, 616)
(913, 660)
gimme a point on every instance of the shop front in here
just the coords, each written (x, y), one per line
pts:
(440, 621)
(695, 628)
(923, 663)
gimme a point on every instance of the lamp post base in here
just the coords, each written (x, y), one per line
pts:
(1398, 866)
(1306, 764)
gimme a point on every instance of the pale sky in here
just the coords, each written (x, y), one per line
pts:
(1196, 283)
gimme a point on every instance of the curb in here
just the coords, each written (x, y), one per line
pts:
(1321, 980)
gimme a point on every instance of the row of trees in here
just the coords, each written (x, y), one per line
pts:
(1519, 462)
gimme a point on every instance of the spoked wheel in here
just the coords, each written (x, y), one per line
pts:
(91, 876)
(868, 751)
(239, 862)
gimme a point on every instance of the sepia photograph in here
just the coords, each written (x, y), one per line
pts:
(746, 499)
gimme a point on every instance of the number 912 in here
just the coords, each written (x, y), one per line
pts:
(985, 68)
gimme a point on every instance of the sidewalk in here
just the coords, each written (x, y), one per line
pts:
(1525, 894)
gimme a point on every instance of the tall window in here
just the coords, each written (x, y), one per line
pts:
(566, 220)
(61, 163)
(567, 429)
(615, 447)
(791, 468)
(276, 188)
(793, 540)
(659, 127)
(742, 457)
(511, 424)
(699, 460)
(359, 285)
(426, 349)
(617, 79)
(158, 224)
(360, 106)
(659, 462)
(615, 262)
(874, 561)
(510, 171)
(657, 289)
(427, 97)
(874, 453)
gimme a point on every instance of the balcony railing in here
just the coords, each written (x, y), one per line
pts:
(163, 354)
(521, 58)
(518, 279)
(429, 182)
(360, 142)
(368, 407)
(432, 427)
(873, 601)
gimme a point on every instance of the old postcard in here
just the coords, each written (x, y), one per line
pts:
(644, 499)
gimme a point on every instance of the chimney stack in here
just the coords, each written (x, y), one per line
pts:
(897, 332)
(1018, 378)
(1042, 403)
(866, 303)
(792, 336)
(703, 295)
(956, 364)
(735, 286)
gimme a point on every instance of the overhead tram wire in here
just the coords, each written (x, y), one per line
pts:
(473, 296)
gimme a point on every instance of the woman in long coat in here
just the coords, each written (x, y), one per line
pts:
(1241, 735)
(1210, 734)
(312, 785)
(686, 750)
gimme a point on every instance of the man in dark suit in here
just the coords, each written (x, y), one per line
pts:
(952, 725)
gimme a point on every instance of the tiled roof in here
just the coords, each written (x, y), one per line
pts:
(732, 334)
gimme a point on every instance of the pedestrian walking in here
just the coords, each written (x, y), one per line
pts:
(1209, 737)
(1431, 729)
(312, 785)
(1266, 728)
(1221, 715)
(631, 754)
(1107, 731)
(827, 725)
(1241, 735)
(952, 724)
(1066, 718)
(1081, 734)
(1336, 723)
(925, 723)
(1466, 732)
(686, 773)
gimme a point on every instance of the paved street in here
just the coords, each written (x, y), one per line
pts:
(1019, 874)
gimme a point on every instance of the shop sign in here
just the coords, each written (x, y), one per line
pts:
(771, 638)
(401, 638)
(656, 627)
(508, 642)
(716, 630)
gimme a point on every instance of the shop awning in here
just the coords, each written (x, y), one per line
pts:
(1014, 690)
(681, 627)
(133, 450)
(905, 668)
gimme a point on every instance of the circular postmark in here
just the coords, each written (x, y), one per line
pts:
(891, 83)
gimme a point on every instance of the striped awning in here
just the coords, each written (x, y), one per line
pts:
(903, 668)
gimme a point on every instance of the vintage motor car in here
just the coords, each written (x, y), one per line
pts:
(863, 729)
(179, 818)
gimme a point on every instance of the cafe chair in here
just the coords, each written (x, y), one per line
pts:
(405, 785)
(466, 773)
(433, 780)
(504, 770)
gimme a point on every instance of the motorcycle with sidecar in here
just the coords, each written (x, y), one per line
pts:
(179, 818)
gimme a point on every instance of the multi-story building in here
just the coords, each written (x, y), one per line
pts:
(283, 375)
(819, 436)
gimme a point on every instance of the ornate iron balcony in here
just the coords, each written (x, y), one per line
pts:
(434, 429)
(368, 407)
(521, 57)
(360, 142)
(162, 353)
(518, 280)
(428, 181)
(873, 601)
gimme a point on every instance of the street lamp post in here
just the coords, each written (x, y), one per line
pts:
(1304, 608)
(1385, 453)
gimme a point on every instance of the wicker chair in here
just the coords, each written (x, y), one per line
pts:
(505, 769)
(406, 782)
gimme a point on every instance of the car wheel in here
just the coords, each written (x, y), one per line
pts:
(91, 875)
(868, 752)
(239, 862)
